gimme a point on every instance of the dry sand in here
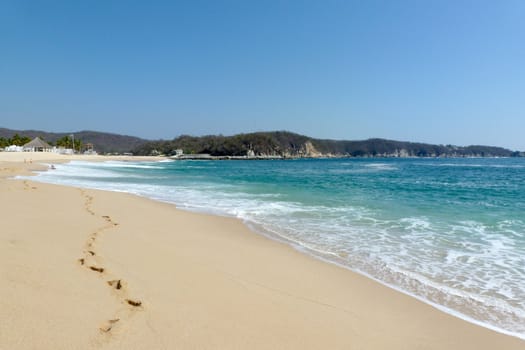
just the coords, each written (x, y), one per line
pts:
(202, 282)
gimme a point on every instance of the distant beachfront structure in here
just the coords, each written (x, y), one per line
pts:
(37, 145)
(14, 148)
(90, 150)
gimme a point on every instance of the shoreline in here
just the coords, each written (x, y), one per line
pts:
(321, 302)
(296, 246)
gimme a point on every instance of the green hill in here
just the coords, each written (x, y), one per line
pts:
(290, 145)
(102, 142)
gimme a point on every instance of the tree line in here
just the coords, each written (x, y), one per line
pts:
(19, 140)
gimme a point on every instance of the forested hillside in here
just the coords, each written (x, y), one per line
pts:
(289, 145)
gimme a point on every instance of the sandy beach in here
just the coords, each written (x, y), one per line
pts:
(86, 269)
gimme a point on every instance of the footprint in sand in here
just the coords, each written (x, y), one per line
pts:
(97, 269)
(109, 325)
(117, 284)
(28, 187)
(134, 303)
(109, 220)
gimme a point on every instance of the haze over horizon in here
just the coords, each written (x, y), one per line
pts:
(440, 72)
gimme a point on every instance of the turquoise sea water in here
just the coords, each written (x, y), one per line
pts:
(450, 232)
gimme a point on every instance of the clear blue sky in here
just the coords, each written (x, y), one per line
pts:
(430, 71)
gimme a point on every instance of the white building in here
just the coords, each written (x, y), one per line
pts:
(14, 148)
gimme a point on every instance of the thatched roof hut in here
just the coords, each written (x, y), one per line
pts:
(37, 145)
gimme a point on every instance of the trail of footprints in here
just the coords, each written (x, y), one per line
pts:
(28, 187)
(92, 261)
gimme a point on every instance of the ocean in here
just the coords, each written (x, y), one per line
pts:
(450, 232)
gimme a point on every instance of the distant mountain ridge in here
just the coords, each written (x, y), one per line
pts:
(281, 144)
(103, 142)
(290, 145)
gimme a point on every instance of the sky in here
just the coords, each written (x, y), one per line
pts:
(443, 72)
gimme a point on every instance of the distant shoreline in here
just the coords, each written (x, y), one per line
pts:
(209, 157)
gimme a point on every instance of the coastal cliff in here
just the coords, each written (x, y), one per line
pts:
(283, 144)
